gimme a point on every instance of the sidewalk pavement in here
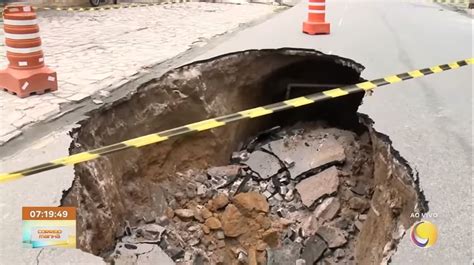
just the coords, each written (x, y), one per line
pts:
(96, 52)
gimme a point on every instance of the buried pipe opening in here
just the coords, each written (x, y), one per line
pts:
(323, 185)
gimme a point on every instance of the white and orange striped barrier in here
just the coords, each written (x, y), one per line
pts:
(26, 73)
(316, 23)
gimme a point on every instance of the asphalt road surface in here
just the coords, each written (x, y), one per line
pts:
(429, 120)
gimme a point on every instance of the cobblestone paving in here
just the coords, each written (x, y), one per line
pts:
(100, 50)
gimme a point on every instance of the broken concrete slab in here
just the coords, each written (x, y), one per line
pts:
(327, 209)
(265, 164)
(148, 233)
(314, 249)
(316, 186)
(128, 254)
(152, 231)
(332, 235)
(155, 256)
(286, 254)
(224, 171)
(307, 155)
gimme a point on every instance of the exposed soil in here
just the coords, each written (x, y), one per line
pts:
(155, 193)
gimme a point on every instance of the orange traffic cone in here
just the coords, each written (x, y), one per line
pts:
(316, 23)
(26, 73)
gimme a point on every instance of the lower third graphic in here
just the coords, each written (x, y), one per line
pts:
(49, 227)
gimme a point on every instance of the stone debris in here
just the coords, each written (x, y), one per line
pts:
(239, 157)
(213, 223)
(271, 237)
(233, 221)
(264, 164)
(152, 231)
(300, 262)
(307, 154)
(251, 201)
(328, 209)
(284, 255)
(314, 249)
(256, 212)
(333, 236)
(224, 171)
(184, 213)
(313, 188)
(129, 254)
(360, 188)
(309, 226)
(218, 202)
(358, 203)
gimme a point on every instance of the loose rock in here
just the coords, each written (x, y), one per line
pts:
(339, 253)
(184, 213)
(154, 256)
(233, 222)
(360, 188)
(220, 201)
(220, 235)
(359, 204)
(205, 229)
(152, 232)
(271, 237)
(251, 201)
(205, 213)
(175, 252)
(332, 235)
(224, 171)
(327, 209)
(213, 223)
(314, 249)
(309, 226)
(193, 241)
(285, 255)
(300, 262)
(314, 187)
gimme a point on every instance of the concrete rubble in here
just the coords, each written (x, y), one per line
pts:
(317, 186)
(278, 203)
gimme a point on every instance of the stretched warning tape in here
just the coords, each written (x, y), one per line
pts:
(223, 120)
(107, 7)
(459, 2)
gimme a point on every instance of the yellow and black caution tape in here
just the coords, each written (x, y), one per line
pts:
(223, 120)
(452, 1)
(108, 7)
(459, 3)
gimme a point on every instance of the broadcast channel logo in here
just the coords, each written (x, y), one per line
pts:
(424, 234)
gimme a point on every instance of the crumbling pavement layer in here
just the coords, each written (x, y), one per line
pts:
(310, 208)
